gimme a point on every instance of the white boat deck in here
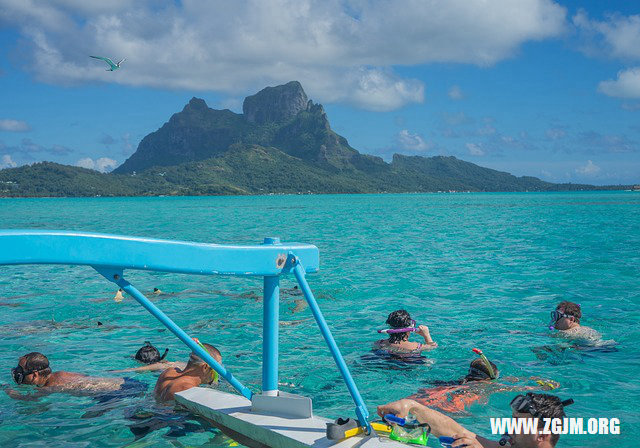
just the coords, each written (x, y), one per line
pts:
(234, 412)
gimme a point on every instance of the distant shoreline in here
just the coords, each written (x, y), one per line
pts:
(598, 190)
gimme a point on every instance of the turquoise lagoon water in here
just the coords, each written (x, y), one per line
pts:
(482, 270)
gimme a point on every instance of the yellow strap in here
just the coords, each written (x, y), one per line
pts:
(381, 427)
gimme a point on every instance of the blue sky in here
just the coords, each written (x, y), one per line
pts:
(534, 87)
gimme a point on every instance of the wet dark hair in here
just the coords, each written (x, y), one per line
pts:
(399, 319)
(571, 309)
(478, 371)
(548, 406)
(148, 354)
(35, 361)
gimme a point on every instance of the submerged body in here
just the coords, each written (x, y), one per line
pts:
(33, 369)
(457, 398)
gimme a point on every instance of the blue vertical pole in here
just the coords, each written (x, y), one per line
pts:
(184, 337)
(270, 324)
(361, 409)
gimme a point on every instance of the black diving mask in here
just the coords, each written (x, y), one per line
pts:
(19, 373)
(523, 404)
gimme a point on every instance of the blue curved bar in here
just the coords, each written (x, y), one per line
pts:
(110, 255)
(96, 249)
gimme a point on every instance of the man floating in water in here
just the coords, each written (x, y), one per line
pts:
(195, 373)
(566, 319)
(33, 369)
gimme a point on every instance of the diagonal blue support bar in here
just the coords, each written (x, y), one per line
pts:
(361, 409)
(115, 275)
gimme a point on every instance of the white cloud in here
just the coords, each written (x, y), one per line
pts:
(590, 169)
(7, 162)
(475, 149)
(412, 142)
(455, 93)
(617, 36)
(340, 51)
(103, 164)
(14, 125)
(382, 91)
(627, 85)
(86, 163)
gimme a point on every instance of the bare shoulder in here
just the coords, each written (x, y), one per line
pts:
(170, 373)
(60, 378)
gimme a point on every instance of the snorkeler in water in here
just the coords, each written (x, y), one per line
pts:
(33, 369)
(149, 355)
(566, 319)
(195, 373)
(401, 326)
(476, 386)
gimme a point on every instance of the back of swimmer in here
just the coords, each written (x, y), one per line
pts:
(401, 326)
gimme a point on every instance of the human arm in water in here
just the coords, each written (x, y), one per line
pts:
(429, 343)
(440, 424)
(34, 396)
(155, 367)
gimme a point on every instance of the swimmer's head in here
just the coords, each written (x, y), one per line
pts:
(148, 354)
(33, 368)
(540, 406)
(209, 376)
(567, 315)
(399, 319)
(478, 371)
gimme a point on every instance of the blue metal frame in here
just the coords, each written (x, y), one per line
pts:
(110, 255)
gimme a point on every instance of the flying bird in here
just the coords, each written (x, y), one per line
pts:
(112, 66)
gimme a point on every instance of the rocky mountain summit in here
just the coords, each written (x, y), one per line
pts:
(281, 143)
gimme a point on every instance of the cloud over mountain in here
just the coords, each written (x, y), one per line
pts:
(342, 51)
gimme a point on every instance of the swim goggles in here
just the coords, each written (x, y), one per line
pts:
(214, 375)
(523, 404)
(19, 373)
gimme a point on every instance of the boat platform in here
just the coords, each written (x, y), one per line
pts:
(234, 414)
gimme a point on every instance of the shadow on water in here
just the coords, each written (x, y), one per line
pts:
(383, 360)
(558, 354)
(178, 423)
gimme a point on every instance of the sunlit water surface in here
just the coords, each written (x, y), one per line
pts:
(481, 270)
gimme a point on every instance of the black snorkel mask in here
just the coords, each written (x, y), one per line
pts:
(19, 373)
(555, 317)
(523, 404)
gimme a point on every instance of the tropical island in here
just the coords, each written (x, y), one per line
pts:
(282, 143)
